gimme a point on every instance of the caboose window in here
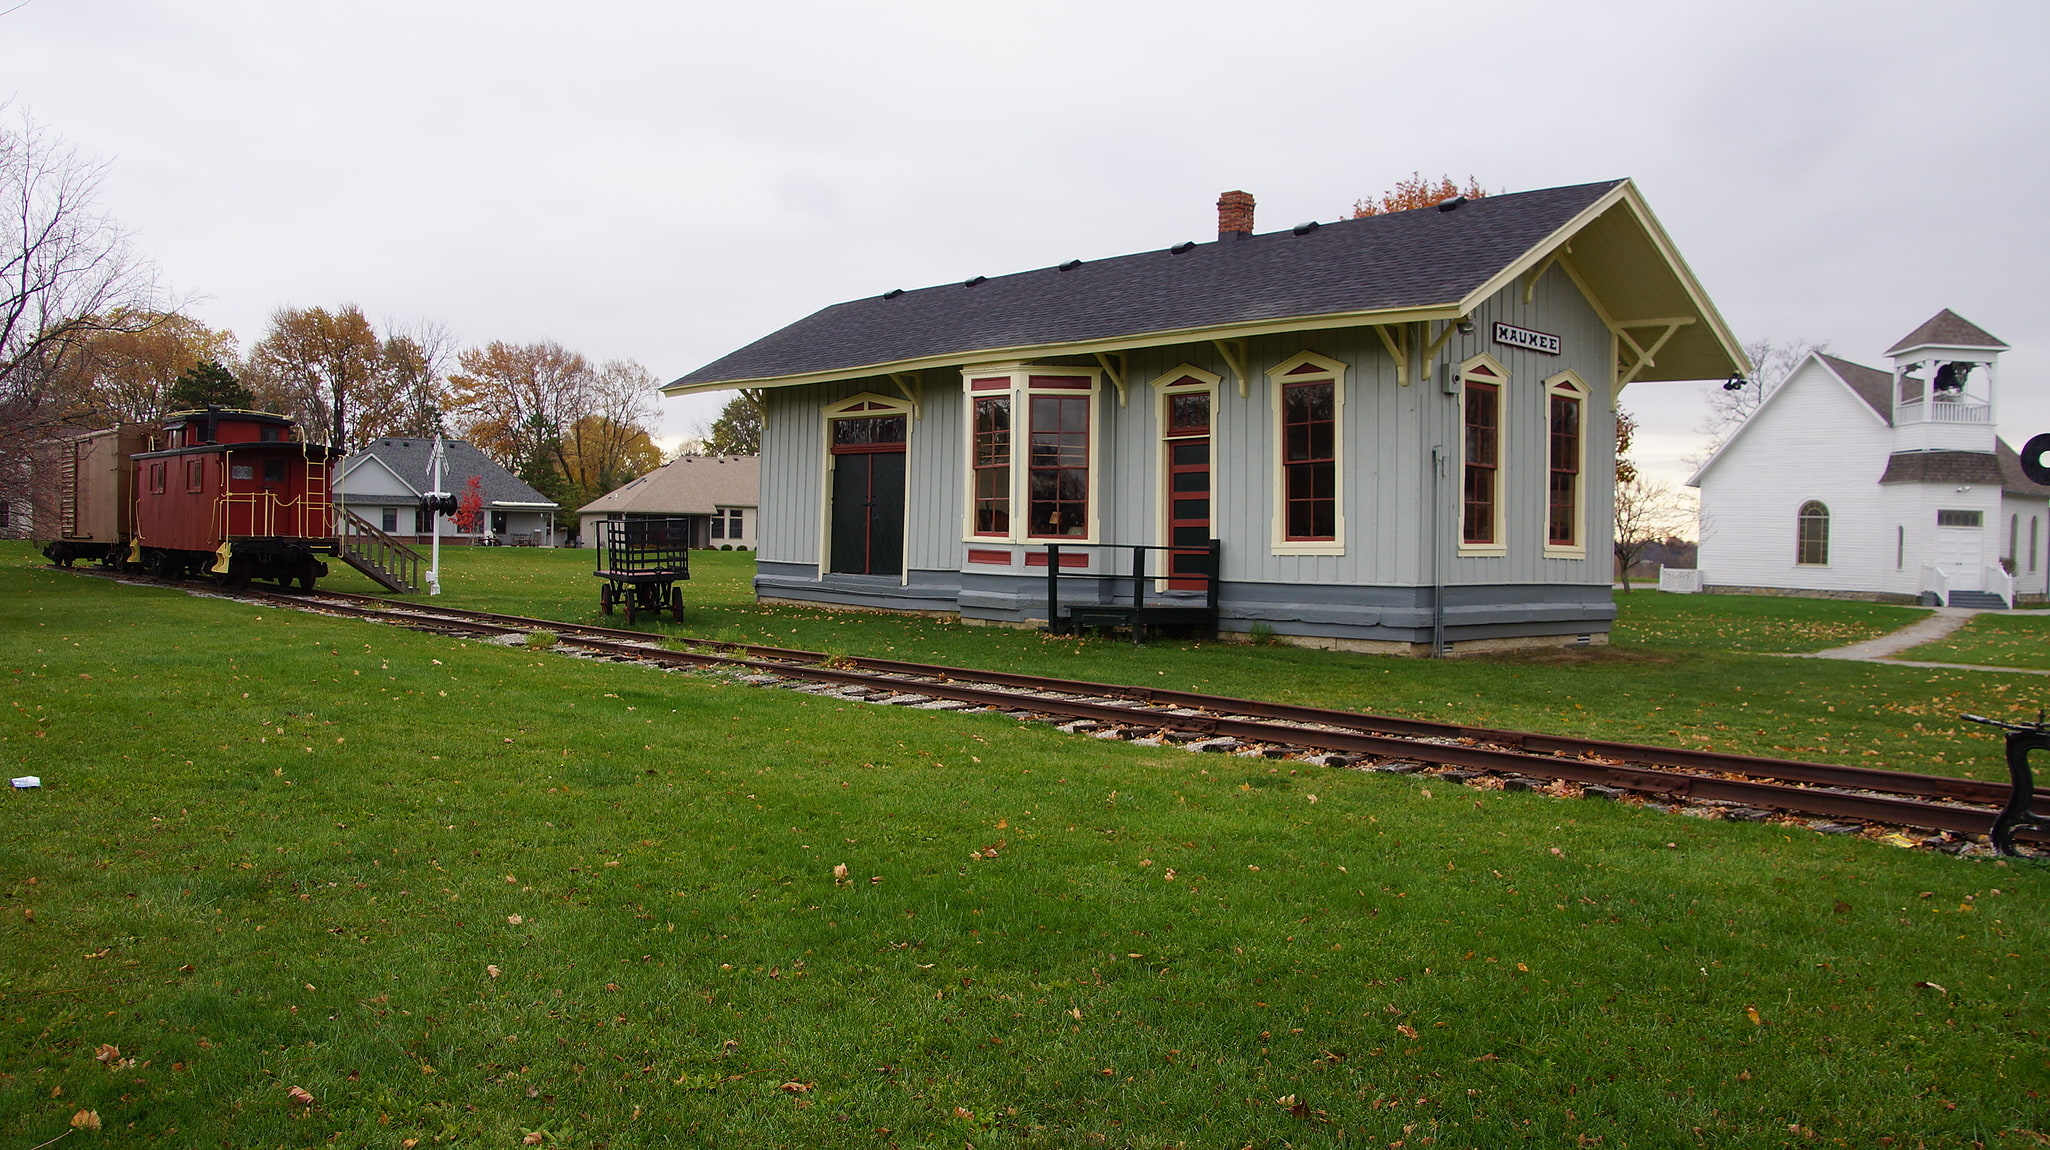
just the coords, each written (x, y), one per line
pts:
(195, 475)
(269, 434)
(242, 471)
(273, 471)
(156, 478)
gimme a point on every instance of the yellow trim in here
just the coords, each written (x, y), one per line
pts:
(1236, 354)
(1397, 345)
(913, 388)
(1020, 392)
(1565, 383)
(1332, 370)
(1165, 386)
(1499, 545)
(1116, 374)
(956, 359)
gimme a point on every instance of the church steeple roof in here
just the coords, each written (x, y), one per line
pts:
(1947, 329)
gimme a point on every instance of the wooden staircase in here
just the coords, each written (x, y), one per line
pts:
(389, 563)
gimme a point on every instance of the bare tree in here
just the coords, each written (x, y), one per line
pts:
(1648, 511)
(67, 273)
(1772, 361)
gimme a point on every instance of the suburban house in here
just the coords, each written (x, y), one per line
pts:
(1891, 484)
(384, 483)
(1399, 429)
(718, 494)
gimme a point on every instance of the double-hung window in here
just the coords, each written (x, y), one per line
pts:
(1566, 460)
(1309, 408)
(1047, 490)
(1481, 393)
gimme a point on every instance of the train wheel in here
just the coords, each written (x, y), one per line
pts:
(158, 564)
(605, 598)
(676, 603)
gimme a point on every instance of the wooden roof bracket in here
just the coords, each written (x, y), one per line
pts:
(1114, 370)
(1646, 356)
(1438, 343)
(1398, 350)
(908, 382)
(1236, 353)
(1530, 281)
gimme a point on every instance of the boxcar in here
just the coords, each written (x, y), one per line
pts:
(95, 497)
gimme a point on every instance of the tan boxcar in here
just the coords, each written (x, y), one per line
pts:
(93, 509)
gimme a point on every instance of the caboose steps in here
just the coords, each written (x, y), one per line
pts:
(389, 563)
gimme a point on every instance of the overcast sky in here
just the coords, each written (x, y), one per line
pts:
(667, 182)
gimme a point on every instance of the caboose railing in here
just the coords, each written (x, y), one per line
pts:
(260, 513)
(392, 564)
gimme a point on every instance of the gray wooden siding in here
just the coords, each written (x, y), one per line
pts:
(1386, 473)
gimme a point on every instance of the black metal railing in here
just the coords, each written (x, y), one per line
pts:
(1136, 597)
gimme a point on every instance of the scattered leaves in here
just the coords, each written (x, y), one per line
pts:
(299, 1096)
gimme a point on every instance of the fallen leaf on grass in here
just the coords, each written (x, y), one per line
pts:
(86, 1120)
(795, 1088)
(299, 1096)
(107, 1052)
(1751, 1012)
(493, 971)
(533, 1138)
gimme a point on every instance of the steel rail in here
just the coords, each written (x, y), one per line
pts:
(1940, 787)
(1829, 790)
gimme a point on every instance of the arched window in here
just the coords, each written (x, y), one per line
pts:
(1813, 534)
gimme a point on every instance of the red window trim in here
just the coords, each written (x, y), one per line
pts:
(1289, 499)
(1566, 468)
(1474, 469)
(976, 468)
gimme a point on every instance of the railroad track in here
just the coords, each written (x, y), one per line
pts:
(1740, 786)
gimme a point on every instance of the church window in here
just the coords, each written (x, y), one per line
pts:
(1813, 532)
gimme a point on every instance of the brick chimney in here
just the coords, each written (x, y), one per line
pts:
(1234, 215)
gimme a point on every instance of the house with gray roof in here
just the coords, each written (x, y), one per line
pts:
(1889, 484)
(718, 495)
(384, 483)
(1399, 430)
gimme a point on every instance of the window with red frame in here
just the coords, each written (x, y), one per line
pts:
(992, 465)
(1483, 452)
(1563, 516)
(1057, 466)
(1309, 436)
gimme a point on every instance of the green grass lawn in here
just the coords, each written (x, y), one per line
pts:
(1682, 669)
(1992, 641)
(463, 894)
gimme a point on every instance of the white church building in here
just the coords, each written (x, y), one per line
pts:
(1887, 484)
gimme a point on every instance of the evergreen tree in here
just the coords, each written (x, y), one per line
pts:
(207, 382)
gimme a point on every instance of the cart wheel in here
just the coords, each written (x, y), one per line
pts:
(629, 599)
(605, 598)
(676, 603)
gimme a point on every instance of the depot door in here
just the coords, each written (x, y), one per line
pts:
(867, 528)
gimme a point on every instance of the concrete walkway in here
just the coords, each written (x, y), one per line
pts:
(1940, 622)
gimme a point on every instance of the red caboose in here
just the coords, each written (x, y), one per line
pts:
(234, 493)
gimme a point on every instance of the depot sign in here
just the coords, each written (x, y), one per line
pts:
(1527, 339)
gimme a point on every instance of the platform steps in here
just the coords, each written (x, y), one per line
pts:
(1977, 600)
(389, 563)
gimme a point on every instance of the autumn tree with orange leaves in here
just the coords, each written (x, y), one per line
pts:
(1417, 191)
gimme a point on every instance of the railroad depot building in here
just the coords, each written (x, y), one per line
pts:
(1400, 429)
(1880, 483)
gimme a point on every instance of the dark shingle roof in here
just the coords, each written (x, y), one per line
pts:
(1942, 467)
(1947, 329)
(1415, 259)
(411, 460)
(1873, 386)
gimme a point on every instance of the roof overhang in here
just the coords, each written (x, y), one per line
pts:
(1615, 250)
